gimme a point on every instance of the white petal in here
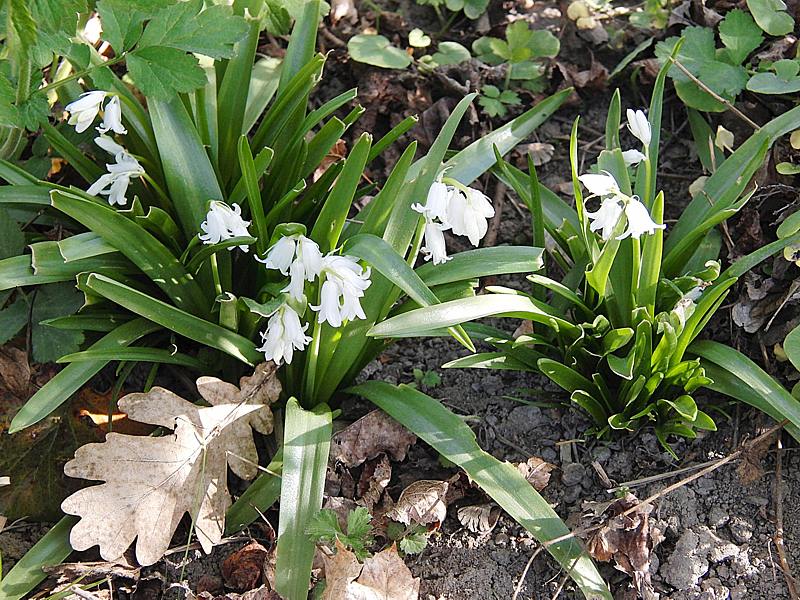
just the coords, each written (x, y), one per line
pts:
(632, 157)
(281, 255)
(599, 184)
(108, 144)
(112, 117)
(639, 221)
(639, 126)
(435, 248)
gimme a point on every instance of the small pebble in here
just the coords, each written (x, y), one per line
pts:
(717, 517)
(572, 474)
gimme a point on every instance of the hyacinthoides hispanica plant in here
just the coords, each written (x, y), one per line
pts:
(620, 330)
(208, 237)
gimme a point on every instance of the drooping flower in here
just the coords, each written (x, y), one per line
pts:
(114, 184)
(600, 184)
(434, 247)
(606, 217)
(223, 222)
(639, 126)
(468, 214)
(280, 256)
(639, 220)
(687, 303)
(108, 144)
(632, 157)
(296, 256)
(285, 333)
(112, 117)
(436, 203)
(344, 286)
(83, 111)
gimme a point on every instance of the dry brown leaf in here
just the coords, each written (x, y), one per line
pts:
(150, 482)
(374, 479)
(15, 370)
(421, 502)
(479, 518)
(384, 577)
(541, 153)
(340, 570)
(343, 9)
(627, 539)
(371, 435)
(536, 471)
(242, 570)
(262, 593)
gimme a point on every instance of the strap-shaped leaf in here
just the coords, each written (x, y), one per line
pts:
(306, 444)
(452, 438)
(174, 319)
(141, 248)
(482, 262)
(70, 379)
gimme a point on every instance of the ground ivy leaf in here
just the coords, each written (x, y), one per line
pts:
(740, 34)
(544, 44)
(771, 16)
(451, 53)
(159, 71)
(51, 301)
(212, 32)
(376, 50)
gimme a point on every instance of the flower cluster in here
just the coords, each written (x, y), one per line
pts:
(461, 209)
(223, 223)
(614, 203)
(344, 282)
(83, 112)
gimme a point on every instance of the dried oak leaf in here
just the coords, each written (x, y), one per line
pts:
(371, 435)
(340, 570)
(384, 577)
(536, 471)
(421, 502)
(150, 482)
(627, 539)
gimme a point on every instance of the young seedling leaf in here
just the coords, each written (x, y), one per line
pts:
(378, 51)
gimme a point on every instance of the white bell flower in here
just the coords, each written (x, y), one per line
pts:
(468, 213)
(686, 305)
(600, 184)
(639, 126)
(344, 286)
(83, 111)
(222, 223)
(606, 217)
(112, 117)
(280, 256)
(639, 220)
(114, 184)
(296, 256)
(632, 157)
(285, 334)
(108, 144)
(434, 247)
(436, 204)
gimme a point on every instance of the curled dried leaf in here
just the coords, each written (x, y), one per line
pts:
(422, 502)
(384, 577)
(373, 434)
(340, 570)
(479, 518)
(242, 570)
(374, 479)
(536, 471)
(627, 539)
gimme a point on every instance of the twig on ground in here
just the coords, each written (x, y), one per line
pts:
(560, 587)
(522, 577)
(791, 583)
(714, 95)
(498, 201)
(671, 488)
(653, 478)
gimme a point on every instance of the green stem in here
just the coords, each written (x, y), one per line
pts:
(215, 274)
(80, 74)
(313, 359)
(11, 144)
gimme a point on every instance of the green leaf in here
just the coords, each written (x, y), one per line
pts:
(418, 39)
(174, 319)
(783, 81)
(51, 301)
(415, 542)
(737, 376)
(376, 50)
(70, 379)
(12, 319)
(212, 32)
(484, 50)
(492, 106)
(22, 23)
(29, 572)
(12, 240)
(771, 16)
(141, 248)
(449, 435)
(257, 498)
(740, 34)
(542, 43)
(451, 53)
(122, 23)
(160, 72)
(306, 444)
